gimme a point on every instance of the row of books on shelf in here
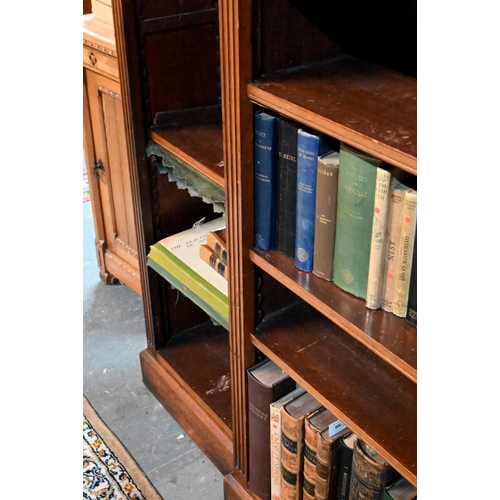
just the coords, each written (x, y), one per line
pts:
(299, 450)
(194, 262)
(340, 213)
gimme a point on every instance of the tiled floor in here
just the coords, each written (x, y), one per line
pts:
(113, 336)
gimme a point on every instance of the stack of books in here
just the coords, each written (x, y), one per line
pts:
(340, 213)
(177, 259)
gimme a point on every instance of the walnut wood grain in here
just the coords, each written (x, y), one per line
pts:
(372, 398)
(369, 107)
(390, 337)
(199, 145)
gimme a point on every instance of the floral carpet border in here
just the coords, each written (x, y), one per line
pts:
(108, 469)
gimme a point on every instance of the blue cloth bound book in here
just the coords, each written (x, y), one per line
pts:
(265, 180)
(309, 147)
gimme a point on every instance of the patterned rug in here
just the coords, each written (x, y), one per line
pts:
(109, 472)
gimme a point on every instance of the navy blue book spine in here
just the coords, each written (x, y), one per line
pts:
(286, 186)
(265, 180)
(307, 159)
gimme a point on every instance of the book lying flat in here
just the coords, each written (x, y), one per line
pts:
(179, 256)
(215, 315)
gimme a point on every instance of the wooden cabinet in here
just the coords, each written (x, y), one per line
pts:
(193, 74)
(107, 159)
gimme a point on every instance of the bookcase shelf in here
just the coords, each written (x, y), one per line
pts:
(199, 145)
(364, 105)
(369, 396)
(389, 337)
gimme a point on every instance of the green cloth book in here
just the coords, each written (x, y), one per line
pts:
(178, 255)
(355, 202)
(215, 315)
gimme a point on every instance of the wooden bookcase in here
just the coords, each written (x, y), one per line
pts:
(192, 74)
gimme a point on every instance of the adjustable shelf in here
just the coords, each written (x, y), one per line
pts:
(391, 338)
(371, 108)
(372, 398)
(198, 145)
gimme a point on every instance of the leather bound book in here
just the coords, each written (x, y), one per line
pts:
(355, 201)
(275, 417)
(328, 460)
(318, 428)
(411, 313)
(286, 189)
(343, 481)
(265, 180)
(326, 215)
(400, 489)
(266, 384)
(208, 256)
(292, 444)
(370, 473)
(216, 240)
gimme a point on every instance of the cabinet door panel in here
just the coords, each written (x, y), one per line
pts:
(115, 192)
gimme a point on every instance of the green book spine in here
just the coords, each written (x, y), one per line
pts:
(355, 201)
(189, 279)
(215, 315)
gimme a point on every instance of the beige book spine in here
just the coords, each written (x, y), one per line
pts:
(323, 456)
(392, 248)
(208, 256)
(402, 281)
(292, 436)
(376, 266)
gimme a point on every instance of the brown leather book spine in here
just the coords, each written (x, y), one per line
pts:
(208, 256)
(368, 476)
(326, 213)
(292, 438)
(310, 446)
(327, 466)
(216, 240)
(260, 398)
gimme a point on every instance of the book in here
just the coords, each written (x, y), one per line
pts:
(216, 240)
(286, 186)
(353, 233)
(407, 240)
(307, 159)
(326, 214)
(328, 455)
(398, 191)
(370, 473)
(208, 256)
(292, 444)
(267, 382)
(178, 254)
(376, 264)
(342, 483)
(318, 427)
(265, 180)
(214, 314)
(400, 489)
(275, 440)
(411, 313)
